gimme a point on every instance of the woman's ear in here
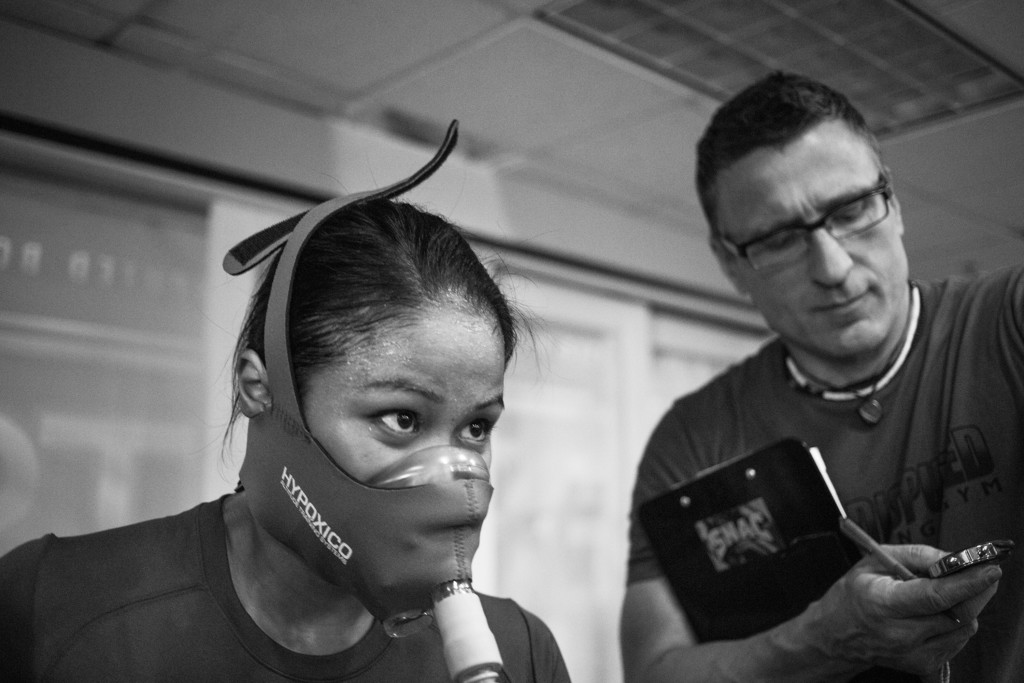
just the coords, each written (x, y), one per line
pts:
(253, 391)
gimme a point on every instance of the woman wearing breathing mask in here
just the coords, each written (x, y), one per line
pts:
(371, 367)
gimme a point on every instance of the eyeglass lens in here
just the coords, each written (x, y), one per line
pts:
(842, 222)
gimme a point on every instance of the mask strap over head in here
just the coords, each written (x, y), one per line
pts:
(291, 236)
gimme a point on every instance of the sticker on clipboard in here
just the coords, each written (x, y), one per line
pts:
(740, 535)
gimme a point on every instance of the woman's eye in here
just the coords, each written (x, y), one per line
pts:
(478, 430)
(401, 421)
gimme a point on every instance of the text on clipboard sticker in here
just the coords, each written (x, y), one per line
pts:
(740, 535)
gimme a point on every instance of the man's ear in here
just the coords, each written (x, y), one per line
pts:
(729, 263)
(253, 390)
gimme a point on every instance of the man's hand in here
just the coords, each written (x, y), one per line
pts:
(867, 618)
(870, 617)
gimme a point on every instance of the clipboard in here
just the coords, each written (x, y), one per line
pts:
(749, 543)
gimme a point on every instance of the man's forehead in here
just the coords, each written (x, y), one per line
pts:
(795, 180)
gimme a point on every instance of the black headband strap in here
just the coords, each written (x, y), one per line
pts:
(256, 248)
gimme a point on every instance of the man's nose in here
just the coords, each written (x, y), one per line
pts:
(828, 261)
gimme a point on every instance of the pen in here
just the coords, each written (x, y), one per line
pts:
(869, 546)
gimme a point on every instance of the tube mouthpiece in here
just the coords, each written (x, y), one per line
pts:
(470, 650)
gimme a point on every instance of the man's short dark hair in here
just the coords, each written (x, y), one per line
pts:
(771, 112)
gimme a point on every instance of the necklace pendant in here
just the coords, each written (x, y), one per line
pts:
(870, 411)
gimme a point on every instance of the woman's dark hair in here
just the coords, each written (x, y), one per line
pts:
(772, 112)
(372, 266)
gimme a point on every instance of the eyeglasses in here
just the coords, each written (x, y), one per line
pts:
(788, 244)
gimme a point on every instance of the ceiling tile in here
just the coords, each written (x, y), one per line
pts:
(254, 76)
(166, 47)
(720, 48)
(732, 16)
(527, 88)
(350, 44)
(75, 20)
(121, 8)
(649, 156)
(994, 25)
(522, 5)
(172, 48)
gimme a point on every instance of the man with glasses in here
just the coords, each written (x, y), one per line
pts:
(913, 392)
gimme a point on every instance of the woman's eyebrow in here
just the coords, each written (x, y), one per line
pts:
(403, 385)
(431, 395)
(498, 400)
